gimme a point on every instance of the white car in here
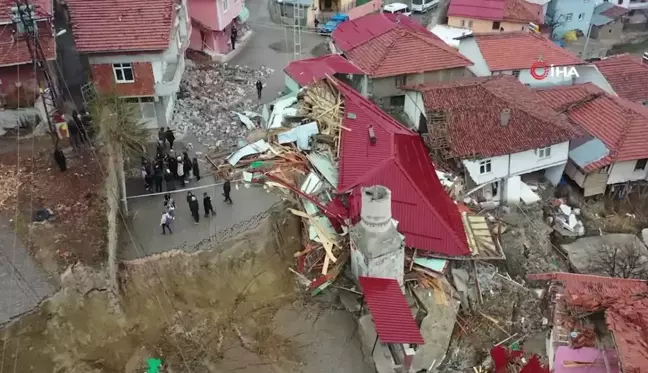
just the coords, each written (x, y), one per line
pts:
(397, 8)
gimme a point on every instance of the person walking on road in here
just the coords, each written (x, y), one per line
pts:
(195, 169)
(181, 171)
(169, 204)
(259, 88)
(170, 137)
(207, 205)
(233, 36)
(193, 206)
(165, 222)
(170, 180)
(158, 177)
(226, 191)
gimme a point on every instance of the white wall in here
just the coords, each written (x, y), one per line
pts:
(469, 48)
(549, 81)
(499, 169)
(528, 161)
(554, 174)
(575, 174)
(413, 107)
(591, 74)
(624, 171)
(513, 190)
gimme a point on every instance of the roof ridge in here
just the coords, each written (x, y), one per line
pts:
(425, 198)
(394, 25)
(430, 39)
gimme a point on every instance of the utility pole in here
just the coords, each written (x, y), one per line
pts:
(297, 29)
(25, 23)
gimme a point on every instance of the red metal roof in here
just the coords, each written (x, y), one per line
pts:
(520, 49)
(497, 10)
(620, 124)
(385, 45)
(311, 70)
(627, 75)
(473, 108)
(427, 217)
(625, 303)
(16, 52)
(122, 25)
(389, 310)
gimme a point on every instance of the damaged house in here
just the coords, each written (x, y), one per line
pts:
(301, 73)
(613, 151)
(598, 323)
(494, 131)
(395, 51)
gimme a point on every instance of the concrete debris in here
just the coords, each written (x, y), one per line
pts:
(211, 99)
(565, 219)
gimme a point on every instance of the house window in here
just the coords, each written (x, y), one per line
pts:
(123, 72)
(400, 80)
(620, 2)
(470, 23)
(496, 25)
(515, 73)
(144, 105)
(641, 164)
(543, 152)
(603, 170)
(485, 166)
(569, 16)
(225, 5)
(462, 23)
(581, 16)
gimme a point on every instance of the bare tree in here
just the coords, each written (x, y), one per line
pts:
(626, 261)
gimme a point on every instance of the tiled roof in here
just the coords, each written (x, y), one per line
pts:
(427, 217)
(473, 107)
(620, 124)
(384, 45)
(16, 52)
(627, 75)
(44, 8)
(121, 25)
(613, 11)
(310, 70)
(626, 311)
(389, 311)
(497, 10)
(520, 49)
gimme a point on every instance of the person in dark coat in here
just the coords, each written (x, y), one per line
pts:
(207, 205)
(259, 88)
(227, 188)
(158, 177)
(169, 179)
(195, 168)
(170, 137)
(186, 161)
(75, 135)
(173, 166)
(193, 206)
(59, 157)
(233, 36)
(162, 137)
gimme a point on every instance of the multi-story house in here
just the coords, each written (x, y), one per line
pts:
(135, 51)
(495, 130)
(497, 15)
(212, 22)
(628, 76)
(395, 51)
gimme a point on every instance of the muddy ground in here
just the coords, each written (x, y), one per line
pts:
(234, 308)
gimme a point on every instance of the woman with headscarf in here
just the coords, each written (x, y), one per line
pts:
(181, 170)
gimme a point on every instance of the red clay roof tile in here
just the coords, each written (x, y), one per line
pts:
(627, 75)
(121, 25)
(311, 70)
(625, 303)
(389, 311)
(620, 124)
(520, 49)
(383, 45)
(497, 10)
(473, 108)
(427, 217)
(615, 12)
(17, 53)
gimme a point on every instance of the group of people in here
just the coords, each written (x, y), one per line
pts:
(169, 213)
(168, 167)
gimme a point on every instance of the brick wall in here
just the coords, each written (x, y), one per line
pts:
(104, 79)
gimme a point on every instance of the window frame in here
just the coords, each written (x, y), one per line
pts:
(142, 103)
(543, 153)
(400, 80)
(569, 17)
(225, 5)
(515, 73)
(581, 16)
(496, 25)
(123, 67)
(462, 23)
(470, 24)
(640, 161)
(485, 166)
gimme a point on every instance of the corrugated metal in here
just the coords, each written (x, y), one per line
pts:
(311, 70)
(383, 46)
(497, 10)
(427, 217)
(588, 152)
(389, 310)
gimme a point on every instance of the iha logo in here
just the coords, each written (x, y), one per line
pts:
(540, 70)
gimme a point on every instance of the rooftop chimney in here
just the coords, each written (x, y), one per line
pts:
(375, 212)
(644, 59)
(372, 136)
(505, 116)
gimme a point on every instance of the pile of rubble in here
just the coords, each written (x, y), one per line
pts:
(211, 95)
